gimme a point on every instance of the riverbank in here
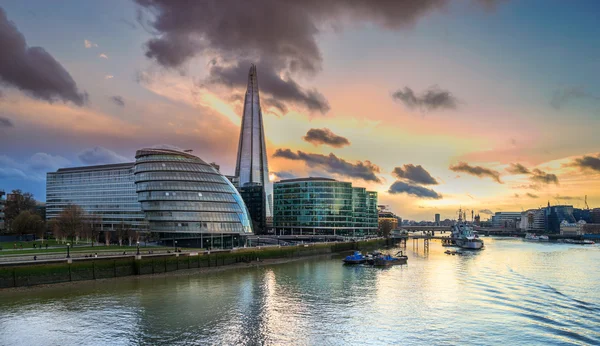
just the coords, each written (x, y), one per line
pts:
(34, 274)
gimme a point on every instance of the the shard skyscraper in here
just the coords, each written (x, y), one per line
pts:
(251, 167)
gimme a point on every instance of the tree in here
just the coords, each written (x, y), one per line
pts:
(385, 227)
(71, 222)
(122, 232)
(16, 203)
(28, 223)
(94, 226)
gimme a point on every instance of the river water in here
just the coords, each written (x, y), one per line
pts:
(511, 293)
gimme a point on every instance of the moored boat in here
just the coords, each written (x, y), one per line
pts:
(356, 258)
(389, 260)
(464, 236)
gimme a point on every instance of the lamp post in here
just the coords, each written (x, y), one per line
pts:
(175, 245)
(138, 248)
(68, 252)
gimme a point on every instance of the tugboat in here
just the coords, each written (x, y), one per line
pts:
(355, 258)
(463, 235)
(389, 260)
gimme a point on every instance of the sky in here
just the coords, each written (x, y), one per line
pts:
(488, 105)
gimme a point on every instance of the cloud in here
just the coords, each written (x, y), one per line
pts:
(414, 174)
(476, 171)
(325, 136)
(540, 176)
(5, 122)
(431, 99)
(99, 156)
(415, 190)
(516, 195)
(587, 162)
(103, 56)
(109, 76)
(129, 23)
(46, 162)
(531, 195)
(284, 175)
(333, 164)
(517, 168)
(118, 100)
(564, 95)
(89, 44)
(282, 89)
(486, 211)
(280, 36)
(32, 69)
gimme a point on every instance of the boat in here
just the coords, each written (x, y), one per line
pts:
(389, 260)
(356, 258)
(534, 237)
(370, 258)
(579, 242)
(464, 236)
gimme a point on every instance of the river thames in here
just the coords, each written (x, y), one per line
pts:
(510, 293)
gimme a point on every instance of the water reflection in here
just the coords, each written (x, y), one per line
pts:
(511, 292)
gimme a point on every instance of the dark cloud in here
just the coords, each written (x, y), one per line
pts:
(279, 35)
(476, 171)
(281, 89)
(486, 211)
(431, 99)
(415, 174)
(564, 95)
(118, 100)
(587, 163)
(415, 190)
(99, 156)
(516, 195)
(517, 168)
(284, 175)
(325, 136)
(333, 164)
(32, 69)
(531, 195)
(540, 176)
(5, 122)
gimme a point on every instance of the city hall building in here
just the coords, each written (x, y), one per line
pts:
(174, 194)
(323, 206)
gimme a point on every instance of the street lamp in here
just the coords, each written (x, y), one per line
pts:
(175, 245)
(138, 248)
(68, 253)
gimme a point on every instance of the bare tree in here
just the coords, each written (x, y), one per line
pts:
(27, 222)
(122, 232)
(71, 222)
(107, 236)
(94, 227)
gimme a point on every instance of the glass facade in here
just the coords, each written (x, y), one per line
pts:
(254, 198)
(323, 206)
(185, 198)
(107, 191)
(251, 165)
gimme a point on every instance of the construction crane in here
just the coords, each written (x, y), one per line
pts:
(587, 207)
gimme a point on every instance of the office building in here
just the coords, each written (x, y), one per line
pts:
(533, 221)
(251, 166)
(106, 191)
(186, 200)
(323, 206)
(254, 198)
(387, 221)
(506, 219)
(437, 219)
(556, 214)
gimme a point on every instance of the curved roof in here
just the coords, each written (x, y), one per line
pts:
(156, 151)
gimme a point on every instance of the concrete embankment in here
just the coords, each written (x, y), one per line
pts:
(21, 275)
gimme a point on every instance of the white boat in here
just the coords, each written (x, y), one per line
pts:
(464, 236)
(534, 237)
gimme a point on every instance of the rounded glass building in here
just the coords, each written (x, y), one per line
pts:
(187, 201)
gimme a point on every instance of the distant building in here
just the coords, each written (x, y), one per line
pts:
(595, 215)
(388, 221)
(533, 221)
(572, 229)
(323, 206)
(506, 219)
(555, 215)
(437, 219)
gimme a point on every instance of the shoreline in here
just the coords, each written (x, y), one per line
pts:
(176, 273)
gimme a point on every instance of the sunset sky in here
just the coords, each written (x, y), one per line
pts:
(489, 105)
